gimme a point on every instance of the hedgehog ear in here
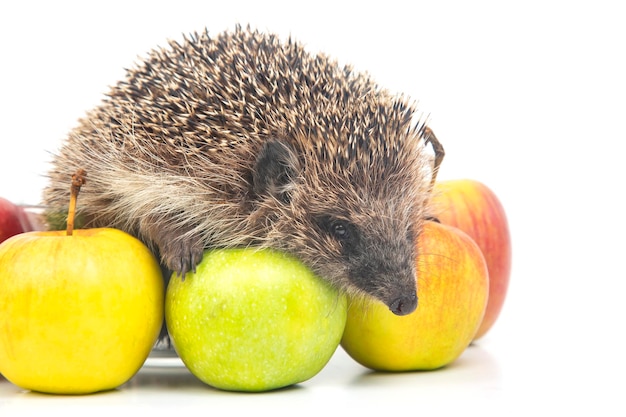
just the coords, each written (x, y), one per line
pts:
(275, 171)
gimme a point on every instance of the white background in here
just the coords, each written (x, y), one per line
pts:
(527, 97)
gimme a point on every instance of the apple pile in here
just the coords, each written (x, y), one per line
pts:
(463, 269)
(79, 309)
(244, 323)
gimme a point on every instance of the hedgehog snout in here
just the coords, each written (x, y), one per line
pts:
(403, 305)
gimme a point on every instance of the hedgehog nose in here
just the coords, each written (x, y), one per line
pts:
(404, 305)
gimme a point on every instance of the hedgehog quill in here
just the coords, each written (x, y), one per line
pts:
(245, 140)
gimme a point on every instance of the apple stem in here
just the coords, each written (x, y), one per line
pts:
(78, 180)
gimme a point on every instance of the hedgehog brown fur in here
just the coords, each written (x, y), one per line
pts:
(244, 140)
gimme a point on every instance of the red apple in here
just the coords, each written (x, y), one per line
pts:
(452, 287)
(13, 220)
(475, 209)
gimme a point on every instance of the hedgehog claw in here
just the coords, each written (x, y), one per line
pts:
(182, 257)
(187, 263)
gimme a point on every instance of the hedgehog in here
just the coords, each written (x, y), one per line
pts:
(246, 140)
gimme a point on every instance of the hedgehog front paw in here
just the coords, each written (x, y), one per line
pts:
(182, 256)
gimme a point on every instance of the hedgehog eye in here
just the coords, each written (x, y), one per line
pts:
(340, 230)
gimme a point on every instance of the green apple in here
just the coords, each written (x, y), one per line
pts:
(253, 320)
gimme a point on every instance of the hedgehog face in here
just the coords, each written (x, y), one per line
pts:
(358, 235)
(376, 256)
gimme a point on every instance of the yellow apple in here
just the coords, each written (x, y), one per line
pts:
(253, 320)
(452, 288)
(79, 309)
(78, 313)
(474, 208)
